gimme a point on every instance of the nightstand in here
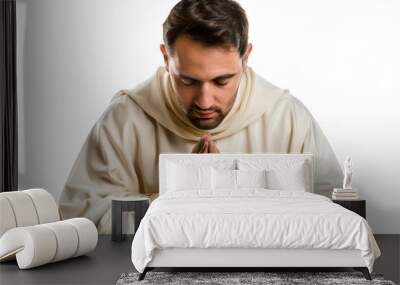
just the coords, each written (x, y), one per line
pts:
(357, 206)
(121, 209)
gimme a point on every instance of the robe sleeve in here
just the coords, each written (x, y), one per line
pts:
(103, 169)
(327, 171)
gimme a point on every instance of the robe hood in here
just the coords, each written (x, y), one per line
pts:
(255, 96)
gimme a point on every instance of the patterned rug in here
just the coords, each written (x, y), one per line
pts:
(269, 278)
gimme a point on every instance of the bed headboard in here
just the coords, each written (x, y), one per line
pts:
(231, 160)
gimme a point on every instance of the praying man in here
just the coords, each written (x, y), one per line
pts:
(204, 99)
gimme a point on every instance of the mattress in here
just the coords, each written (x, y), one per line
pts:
(250, 219)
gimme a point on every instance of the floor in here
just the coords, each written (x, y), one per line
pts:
(102, 266)
(389, 262)
(110, 260)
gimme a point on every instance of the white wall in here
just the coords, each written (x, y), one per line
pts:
(339, 57)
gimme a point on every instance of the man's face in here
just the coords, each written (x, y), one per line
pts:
(204, 79)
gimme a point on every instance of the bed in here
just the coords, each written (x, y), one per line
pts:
(244, 211)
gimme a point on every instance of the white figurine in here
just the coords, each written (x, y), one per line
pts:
(348, 172)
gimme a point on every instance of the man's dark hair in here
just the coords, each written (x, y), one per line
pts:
(211, 22)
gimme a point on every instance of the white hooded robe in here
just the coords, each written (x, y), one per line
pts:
(120, 154)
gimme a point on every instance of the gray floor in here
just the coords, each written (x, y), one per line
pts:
(102, 266)
(110, 260)
(389, 262)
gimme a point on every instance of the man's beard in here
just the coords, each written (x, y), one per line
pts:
(205, 124)
(208, 124)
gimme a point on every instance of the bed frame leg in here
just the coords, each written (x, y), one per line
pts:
(143, 274)
(364, 271)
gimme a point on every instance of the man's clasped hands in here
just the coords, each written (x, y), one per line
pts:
(205, 145)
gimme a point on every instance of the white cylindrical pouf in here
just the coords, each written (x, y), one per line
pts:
(33, 246)
(7, 218)
(46, 206)
(23, 208)
(67, 240)
(40, 244)
(87, 234)
(27, 208)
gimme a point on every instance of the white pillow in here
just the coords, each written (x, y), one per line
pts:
(188, 177)
(224, 164)
(293, 178)
(282, 174)
(251, 178)
(236, 179)
(224, 179)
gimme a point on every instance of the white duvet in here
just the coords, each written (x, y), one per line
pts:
(251, 218)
